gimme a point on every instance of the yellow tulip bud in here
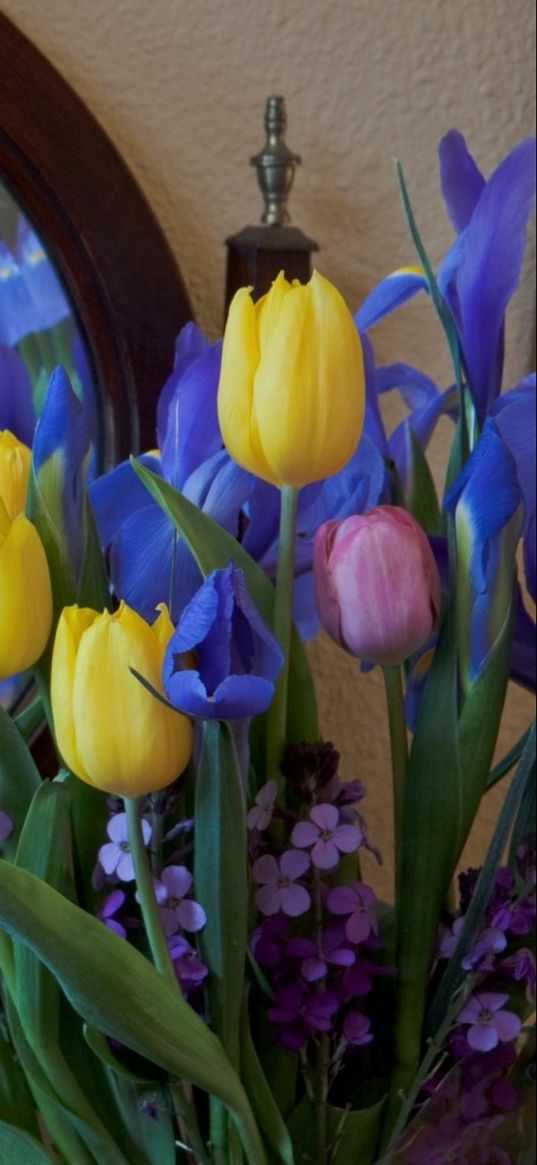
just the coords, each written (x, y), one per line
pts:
(111, 732)
(15, 463)
(25, 590)
(291, 397)
(25, 595)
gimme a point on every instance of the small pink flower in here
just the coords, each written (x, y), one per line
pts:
(488, 1024)
(327, 838)
(260, 815)
(279, 889)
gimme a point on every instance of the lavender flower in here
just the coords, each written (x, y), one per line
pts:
(176, 910)
(115, 856)
(326, 837)
(356, 1029)
(6, 826)
(260, 816)
(279, 888)
(358, 902)
(189, 968)
(488, 1023)
(110, 907)
(521, 967)
(301, 1015)
(318, 957)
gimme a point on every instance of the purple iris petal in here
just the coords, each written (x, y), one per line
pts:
(120, 493)
(187, 421)
(17, 411)
(515, 417)
(63, 437)
(238, 657)
(489, 254)
(462, 181)
(387, 296)
(485, 497)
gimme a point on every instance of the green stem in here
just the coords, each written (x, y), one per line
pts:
(282, 626)
(393, 682)
(181, 1094)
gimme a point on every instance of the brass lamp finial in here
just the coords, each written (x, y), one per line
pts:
(275, 165)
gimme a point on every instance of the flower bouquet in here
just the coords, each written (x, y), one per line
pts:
(192, 967)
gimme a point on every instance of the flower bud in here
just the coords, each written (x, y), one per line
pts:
(377, 584)
(111, 732)
(291, 396)
(25, 591)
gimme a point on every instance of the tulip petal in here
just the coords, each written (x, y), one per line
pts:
(240, 359)
(73, 623)
(25, 598)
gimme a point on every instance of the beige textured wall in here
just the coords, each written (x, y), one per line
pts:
(180, 86)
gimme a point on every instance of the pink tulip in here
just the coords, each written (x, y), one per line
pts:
(377, 584)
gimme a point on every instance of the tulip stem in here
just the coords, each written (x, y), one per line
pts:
(282, 626)
(181, 1094)
(393, 682)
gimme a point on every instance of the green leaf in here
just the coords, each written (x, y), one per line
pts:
(45, 850)
(212, 548)
(114, 988)
(264, 1107)
(16, 1104)
(352, 1134)
(31, 718)
(19, 780)
(93, 586)
(221, 881)
(507, 762)
(17, 1147)
(432, 839)
(89, 816)
(420, 499)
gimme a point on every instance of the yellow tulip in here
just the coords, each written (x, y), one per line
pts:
(25, 590)
(111, 732)
(15, 463)
(291, 397)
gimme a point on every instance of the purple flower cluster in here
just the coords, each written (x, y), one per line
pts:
(499, 956)
(178, 910)
(316, 938)
(460, 1122)
(471, 1092)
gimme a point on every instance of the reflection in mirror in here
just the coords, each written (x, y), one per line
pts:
(38, 331)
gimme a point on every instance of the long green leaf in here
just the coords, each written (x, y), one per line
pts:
(19, 780)
(45, 850)
(16, 1104)
(212, 548)
(221, 880)
(431, 841)
(18, 1147)
(266, 1111)
(114, 988)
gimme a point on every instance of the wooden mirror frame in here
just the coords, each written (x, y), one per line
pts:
(100, 233)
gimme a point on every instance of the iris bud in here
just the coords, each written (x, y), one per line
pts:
(291, 396)
(111, 732)
(25, 591)
(377, 584)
